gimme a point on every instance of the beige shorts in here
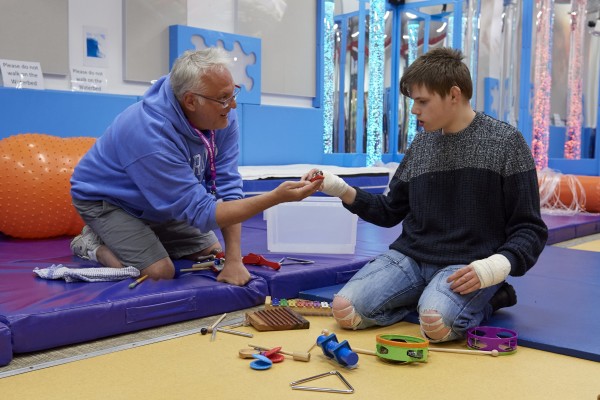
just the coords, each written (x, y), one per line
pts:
(141, 243)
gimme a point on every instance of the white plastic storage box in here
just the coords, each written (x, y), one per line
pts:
(313, 225)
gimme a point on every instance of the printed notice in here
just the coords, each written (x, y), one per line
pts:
(88, 80)
(22, 74)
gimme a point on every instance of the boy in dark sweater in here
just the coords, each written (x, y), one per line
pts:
(467, 195)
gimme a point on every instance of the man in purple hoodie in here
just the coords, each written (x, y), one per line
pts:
(164, 175)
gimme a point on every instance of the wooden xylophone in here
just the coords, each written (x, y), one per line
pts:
(277, 319)
(302, 307)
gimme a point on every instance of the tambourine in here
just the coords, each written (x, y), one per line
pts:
(489, 338)
(402, 348)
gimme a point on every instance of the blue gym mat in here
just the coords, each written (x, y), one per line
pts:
(557, 308)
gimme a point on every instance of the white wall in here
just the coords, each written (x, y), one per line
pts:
(106, 14)
(219, 15)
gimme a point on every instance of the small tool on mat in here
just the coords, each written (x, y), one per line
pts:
(215, 265)
(209, 257)
(257, 259)
(138, 281)
(294, 260)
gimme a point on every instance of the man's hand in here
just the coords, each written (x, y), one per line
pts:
(464, 281)
(295, 191)
(235, 273)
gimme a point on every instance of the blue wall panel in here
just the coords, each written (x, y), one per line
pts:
(273, 135)
(60, 113)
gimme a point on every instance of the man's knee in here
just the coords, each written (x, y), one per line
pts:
(162, 269)
(433, 327)
(345, 314)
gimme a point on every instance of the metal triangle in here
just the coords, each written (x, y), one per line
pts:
(295, 386)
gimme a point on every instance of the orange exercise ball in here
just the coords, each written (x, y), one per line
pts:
(35, 198)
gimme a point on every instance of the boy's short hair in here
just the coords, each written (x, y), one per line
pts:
(438, 70)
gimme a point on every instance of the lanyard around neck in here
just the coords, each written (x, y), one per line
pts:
(210, 146)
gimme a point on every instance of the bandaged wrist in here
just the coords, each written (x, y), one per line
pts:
(491, 270)
(333, 185)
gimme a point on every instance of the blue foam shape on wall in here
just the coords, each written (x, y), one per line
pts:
(181, 39)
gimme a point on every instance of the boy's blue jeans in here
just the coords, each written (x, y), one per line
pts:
(391, 286)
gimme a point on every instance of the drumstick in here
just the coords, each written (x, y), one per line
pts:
(213, 326)
(204, 331)
(493, 353)
(323, 332)
(364, 351)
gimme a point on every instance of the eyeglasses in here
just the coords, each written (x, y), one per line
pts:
(225, 103)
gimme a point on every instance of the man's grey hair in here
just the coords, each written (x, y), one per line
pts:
(191, 67)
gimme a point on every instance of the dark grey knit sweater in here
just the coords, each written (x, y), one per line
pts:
(462, 197)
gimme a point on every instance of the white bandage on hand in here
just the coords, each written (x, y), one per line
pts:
(491, 270)
(333, 185)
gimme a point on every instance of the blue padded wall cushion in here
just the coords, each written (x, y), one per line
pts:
(567, 227)
(6, 355)
(557, 304)
(42, 314)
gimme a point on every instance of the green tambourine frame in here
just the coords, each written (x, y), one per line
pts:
(402, 348)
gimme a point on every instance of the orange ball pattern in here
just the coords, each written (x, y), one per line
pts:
(35, 198)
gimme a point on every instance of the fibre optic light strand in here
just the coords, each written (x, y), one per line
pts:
(474, 15)
(507, 111)
(449, 32)
(575, 81)
(542, 82)
(328, 76)
(413, 46)
(375, 98)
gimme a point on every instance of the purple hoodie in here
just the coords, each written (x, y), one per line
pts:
(151, 163)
